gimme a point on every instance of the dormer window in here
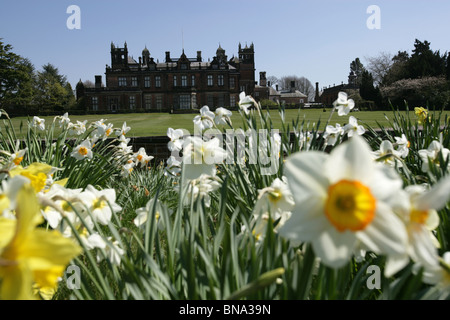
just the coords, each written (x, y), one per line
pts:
(183, 66)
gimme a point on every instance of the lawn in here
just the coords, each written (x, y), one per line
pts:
(156, 124)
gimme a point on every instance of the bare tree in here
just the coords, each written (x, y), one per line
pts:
(88, 84)
(301, 84)
(273, 80)
(379, 66)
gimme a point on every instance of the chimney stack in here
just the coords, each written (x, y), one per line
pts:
(262, 79)
(317, 97)
(292, 86)
(168, 56)
(199, 56)
(98, 81)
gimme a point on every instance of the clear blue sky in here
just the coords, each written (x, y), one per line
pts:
(316, 39)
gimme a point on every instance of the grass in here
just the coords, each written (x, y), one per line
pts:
(156, 124)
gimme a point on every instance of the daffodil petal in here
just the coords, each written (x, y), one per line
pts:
(386, 234)
(333, 247)
(17, 284)
(351, 161)
(304, 172)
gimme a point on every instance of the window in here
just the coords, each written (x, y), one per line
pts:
(242, 89)
(122, 82)
(113, 103)
(134, 82)
(184, 81)
(210, 80)
(232, 101)
(158, 81)
(257, 94)
(194, 100)
(210, 100)
(232, 83)
(220, 80)
(221, 101)
(159, 103)
(94, 103)
(174, 81)
(193, 81)
(147, 82)
(183, 66)
(185, 101)
(132, 101)
(148, 101)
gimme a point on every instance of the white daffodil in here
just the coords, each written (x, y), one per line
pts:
(343, 104)
(308, 138)
(352, 127)
(387, 154)
(201, 188)
(63, 120)
(268, 145)
(103, 131)
(112, 250)
(222, 116)
(124, 130)
(173, 167)
(205, 120)
(332, 133)
(275, 203)
(245, 102)
(18, 156)
(127, 169)
(420, 216)
(63, 201)
(142, 214)
(123, 149)
(93, 241)
(276, 198)
(438, 273)
(38, 123)
(201, 157)
(101, 203)
(77, 128)
(343, 199)
(403, 145)
(8, 194)
(83, 151)
(435, 149)
(142, 158)
(176, 139)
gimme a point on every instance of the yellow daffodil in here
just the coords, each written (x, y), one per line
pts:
(421, 114)
(30, 255)
(36, 172)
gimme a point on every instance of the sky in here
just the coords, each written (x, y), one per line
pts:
(316, 39)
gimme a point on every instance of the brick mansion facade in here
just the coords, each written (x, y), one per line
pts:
(177, 84)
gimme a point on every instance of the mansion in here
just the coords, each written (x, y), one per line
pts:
(177, 84)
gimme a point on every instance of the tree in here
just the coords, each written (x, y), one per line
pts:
(367, 90)
(447, 69)
(54, 93)
(379, 66)
(272, 80)
(15, 77)
(301, 84)
(398, 70)
(89, 84)
(424, 62)
(358, 68)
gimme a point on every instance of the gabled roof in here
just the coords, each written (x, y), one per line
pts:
(296, 94)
